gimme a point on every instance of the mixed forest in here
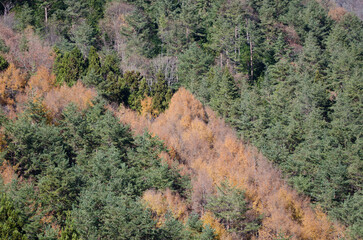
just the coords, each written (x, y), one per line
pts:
(180, 119)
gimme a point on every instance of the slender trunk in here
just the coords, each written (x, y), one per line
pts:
(221, 57)
(46, 14)
(251, 51)
(235, 41)
(7, 7)
(239, 46)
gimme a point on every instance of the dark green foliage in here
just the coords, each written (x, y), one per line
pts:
(111, 64)
(161, 96)
(231, 208)
(146, 40)
(194, 63)
(113, 88)
(94, 62)
(224, 93)
(11, 223)
(3, 63)
(88, 174)
(138, 89)
(351, 213)
(69, 232)
(284, 74)
(69, 67)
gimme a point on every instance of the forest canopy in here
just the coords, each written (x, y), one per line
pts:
(283, 76)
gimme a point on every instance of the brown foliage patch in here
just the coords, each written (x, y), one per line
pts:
(337, 13)
(7, 172)
(36, 54)
(210, 149)
(58, 98)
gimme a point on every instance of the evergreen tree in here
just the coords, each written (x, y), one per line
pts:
(159, 93)
(84, 37)
(111, 64)
(69, 67)
(69, 232)
(93, 76)
(194, 63)
(230, 206)
(208, 233)
(11, 224)
(225, 93)
(3, 63)
(94, 63)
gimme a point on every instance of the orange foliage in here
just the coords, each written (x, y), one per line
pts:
(2, 142)
(11, 81)
(337, 13)
(147, 107)
(58, 98)
(203, 142)
(7, 172)
(138, 123)
(41, 85)
(162, 202)
(209, 219)
(42, 81)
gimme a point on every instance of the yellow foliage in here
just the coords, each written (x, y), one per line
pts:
(209, 219)
(11, 81)
(147, 107)
(291, 205)
(162, 202)
(42, 81)
(155, 201)
(208, 148)
(201, 129)
(2, 142)
(185, 121)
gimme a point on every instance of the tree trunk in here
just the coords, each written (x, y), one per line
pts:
(46, 14)
(251, 52)
(8, 5)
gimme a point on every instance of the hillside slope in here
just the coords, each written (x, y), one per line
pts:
(210, 151)
(284, 76)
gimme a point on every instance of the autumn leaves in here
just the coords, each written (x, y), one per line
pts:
(210, 152)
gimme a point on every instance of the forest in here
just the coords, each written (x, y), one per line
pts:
(181, 119)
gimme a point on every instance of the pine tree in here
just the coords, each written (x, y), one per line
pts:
(111, 64)
(159, 92)
(193, 64)
(93, 76)
(94, 63)
(11, 224)
(69, 232)
(231, 207)
(69, 67)
(225, 93)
